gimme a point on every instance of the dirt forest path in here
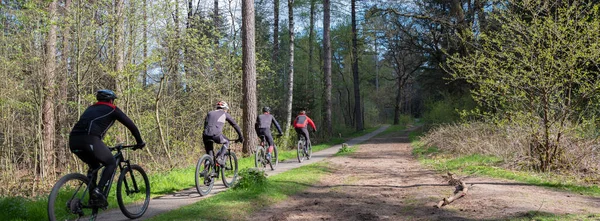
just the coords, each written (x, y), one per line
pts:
(383, 181)
(189, 196)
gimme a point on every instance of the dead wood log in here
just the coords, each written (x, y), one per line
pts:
(460, 191)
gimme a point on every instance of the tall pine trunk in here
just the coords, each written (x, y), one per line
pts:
(249, 75)
(275, 31)
(48, 116)
(291, 67)
(327, 65)
(357, 107)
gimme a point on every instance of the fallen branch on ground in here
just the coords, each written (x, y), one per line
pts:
(460, 191)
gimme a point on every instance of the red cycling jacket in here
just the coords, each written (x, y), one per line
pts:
(302, 120)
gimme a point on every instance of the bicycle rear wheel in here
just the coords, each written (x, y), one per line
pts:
(229, 171)
(133, 192)
(259, 158)
(274, 158)
(204, 180)
(309, 151)
(69, 198)
(300, 151)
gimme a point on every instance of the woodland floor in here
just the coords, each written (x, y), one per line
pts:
(383, 181)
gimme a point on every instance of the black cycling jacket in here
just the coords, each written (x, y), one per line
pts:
(264, 121)
(98, 118)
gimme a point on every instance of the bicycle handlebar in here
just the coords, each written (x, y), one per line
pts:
(121, 146)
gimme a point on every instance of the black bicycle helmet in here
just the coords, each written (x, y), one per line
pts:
(105, 95)
(266, 109)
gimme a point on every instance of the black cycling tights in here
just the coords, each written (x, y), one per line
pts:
(219, 139)
(94, 152)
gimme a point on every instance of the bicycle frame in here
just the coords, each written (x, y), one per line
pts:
(121, 162)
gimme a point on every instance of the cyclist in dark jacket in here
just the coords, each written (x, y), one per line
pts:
(263, 128)
(300, 124)
(213, 130)
(85, 140)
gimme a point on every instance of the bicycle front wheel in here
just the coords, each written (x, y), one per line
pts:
(133, 191)
(204, 179)
(300, 151)
(229, 171)
(69, 198)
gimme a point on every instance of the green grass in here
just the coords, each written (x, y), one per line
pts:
(491, 166)
(543, 216)
(346, 150)
(19, 208)
(236, 204)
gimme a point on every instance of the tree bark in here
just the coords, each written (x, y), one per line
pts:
(275, 31)
(145, 40)
(249, 75)
(118, 45)
(357, 106)
(163, 141)
(291, 67)
(216, 21)
(48, 117)
(327, 65)
(62, 112)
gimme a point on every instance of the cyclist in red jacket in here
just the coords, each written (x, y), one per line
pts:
(300, 126)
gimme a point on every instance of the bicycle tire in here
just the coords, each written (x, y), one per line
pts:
(309, 151)
(230, 169)
(204, 186)
(259, 157)
(274, 158)
(300, 151)
(128, 185)
(63, 204)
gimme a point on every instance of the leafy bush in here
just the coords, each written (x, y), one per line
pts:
(251, 178)
(446, 110)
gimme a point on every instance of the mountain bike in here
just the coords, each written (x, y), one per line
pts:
(304, 151)
(260, 155)
(207, 171)
(70, 196)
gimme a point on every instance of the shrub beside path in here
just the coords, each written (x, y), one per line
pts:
(173, 201)
(383, 181)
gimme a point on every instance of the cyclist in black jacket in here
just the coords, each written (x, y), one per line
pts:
(213, 130)
(263, 128)
(85, 140)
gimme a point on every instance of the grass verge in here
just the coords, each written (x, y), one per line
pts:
(491, 166)
(237, 204)
(19, 208)
(543, 216)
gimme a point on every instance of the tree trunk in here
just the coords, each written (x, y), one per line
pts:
(62, 95)
(48, 121)
(327, 65)
(216, 22)
(357, 107)
(157, 117)
(275, 31)
(118, 45)
(249, 75)
(145, 40)
(398, 103)
(290, 67)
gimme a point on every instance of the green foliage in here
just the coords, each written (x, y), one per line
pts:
(538, 70)
(251, 178)
(446, 110)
